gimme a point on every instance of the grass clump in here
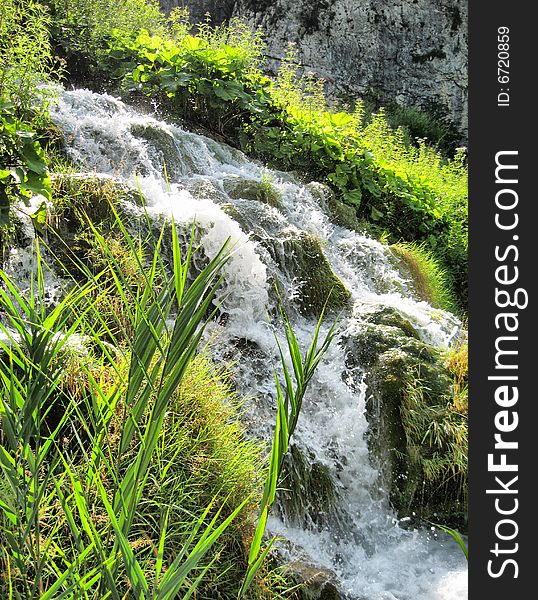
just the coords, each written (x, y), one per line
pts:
(436, 433)
(124, 468)
(429, 279)
(457, 362)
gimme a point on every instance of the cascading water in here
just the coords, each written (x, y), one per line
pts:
(359, 539)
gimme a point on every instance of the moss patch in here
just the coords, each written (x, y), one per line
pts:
(261, 191)
(417, 432)
(301, 255)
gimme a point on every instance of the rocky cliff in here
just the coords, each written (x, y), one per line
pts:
(411, 51)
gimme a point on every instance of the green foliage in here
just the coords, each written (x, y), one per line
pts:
(82, 29)
(430, 123)
(457, 362)
(428, 277)
(23, 167)
(89, 548)
(122, 460)
(25, 53)
(25, 65)
(214, 78)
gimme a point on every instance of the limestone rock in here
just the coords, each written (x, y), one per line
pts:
(409, 51)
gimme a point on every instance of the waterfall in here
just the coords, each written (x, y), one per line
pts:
(359, 538)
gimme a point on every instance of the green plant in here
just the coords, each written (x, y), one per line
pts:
(436, 434)
(456, 536)
(456, 360)
(23, 166)
(288, 410)
(429, 122)
(82, 29)
(33, 457)
(26, 60)
(107, 440)
(429, 279)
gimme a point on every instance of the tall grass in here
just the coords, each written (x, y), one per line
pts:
(429, 278)
(436, 433)
(288, 409)
(111, 439)
(88, 550)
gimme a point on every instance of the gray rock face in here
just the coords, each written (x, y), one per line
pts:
(409, 51)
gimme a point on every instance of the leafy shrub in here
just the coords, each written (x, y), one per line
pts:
(430, 123)
(82, 29)
(26, 59)
(23, 167)
(25, 65)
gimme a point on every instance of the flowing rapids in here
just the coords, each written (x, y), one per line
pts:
(360, 540)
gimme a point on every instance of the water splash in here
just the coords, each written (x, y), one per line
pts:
(192, 178)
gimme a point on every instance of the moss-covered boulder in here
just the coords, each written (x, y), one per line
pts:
(76, 201)
(301, 256)
(249, 189)
(339, 213)
(315, 583)
(164, 150)
(76, 196)
(417, 433)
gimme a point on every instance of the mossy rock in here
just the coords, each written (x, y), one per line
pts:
(249, 189)
(74, 196)
(233, 212)
(201, 188)
(77, 199)
(408, 386)
(301, 256)
(338, 212)
(308, 490)
(374, 340)
(315, 582)
(164, 150)
(387, 315)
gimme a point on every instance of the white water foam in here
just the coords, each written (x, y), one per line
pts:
(373, 557)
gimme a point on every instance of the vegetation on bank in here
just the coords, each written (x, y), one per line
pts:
(123, 460)
(407, 192)
(106, 441)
